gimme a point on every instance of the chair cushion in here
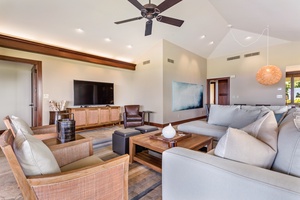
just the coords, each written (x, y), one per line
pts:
(88, 161)
(134, 118)
(19, 123)
(132, 109)
(33, 155)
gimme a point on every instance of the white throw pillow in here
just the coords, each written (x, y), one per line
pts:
(265, 129)
(34, 156)
(239, 146)
(19, 123)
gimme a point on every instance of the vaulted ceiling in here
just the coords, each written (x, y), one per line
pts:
(88, 26)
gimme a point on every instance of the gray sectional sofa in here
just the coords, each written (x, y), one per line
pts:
(236, 116)
(188, 174)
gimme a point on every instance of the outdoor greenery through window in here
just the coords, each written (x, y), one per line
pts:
(292, 88)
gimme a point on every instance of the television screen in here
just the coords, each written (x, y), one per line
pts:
(93, 93)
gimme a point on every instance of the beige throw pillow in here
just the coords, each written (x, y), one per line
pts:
(239, 146)
(34, 156)
(19, 123)
(265, 129)
(255, 144)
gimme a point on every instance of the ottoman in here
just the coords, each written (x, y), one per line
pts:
(120, 140)
(146, 128)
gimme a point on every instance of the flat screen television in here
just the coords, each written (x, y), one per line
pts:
(87, 93)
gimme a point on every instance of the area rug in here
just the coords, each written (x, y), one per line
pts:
(143, 183)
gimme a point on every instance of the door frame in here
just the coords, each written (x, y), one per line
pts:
(38, 120)
(217, 79)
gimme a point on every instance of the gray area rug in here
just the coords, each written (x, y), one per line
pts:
(143, 183)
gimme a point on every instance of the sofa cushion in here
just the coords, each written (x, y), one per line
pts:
(232, 116)
(85, 162)
(19, 123)
(240, 146)
(203, 128)
(221, 115)
(288, 156)
(242, 117)
(265, 129)
(33, 155)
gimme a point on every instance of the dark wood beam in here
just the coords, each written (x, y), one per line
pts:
(35, 47)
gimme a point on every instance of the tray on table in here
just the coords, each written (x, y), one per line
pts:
(178, 137)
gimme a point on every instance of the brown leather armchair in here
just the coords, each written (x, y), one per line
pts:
(132, 116)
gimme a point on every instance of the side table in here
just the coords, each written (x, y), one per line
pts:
(71, 151)
(148, 112)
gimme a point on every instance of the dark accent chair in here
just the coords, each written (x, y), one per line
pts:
(132, 116)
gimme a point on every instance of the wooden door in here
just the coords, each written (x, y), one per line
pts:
(34, 95)
(223, 92)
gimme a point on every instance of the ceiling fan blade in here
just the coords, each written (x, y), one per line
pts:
(128, 20)
(169, 20)
(167, 4)
(136, 4)
(148, 30)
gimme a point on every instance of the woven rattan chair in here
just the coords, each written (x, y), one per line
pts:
(105, 180)
(40, 132)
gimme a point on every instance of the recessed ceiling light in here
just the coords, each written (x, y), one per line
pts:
(211, 43)
(79, 30)
(129, 46)
(248, 38)
(107, 39)
(203, 36)
(229, 25)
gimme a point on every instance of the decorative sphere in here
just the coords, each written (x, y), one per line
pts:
(168, 131)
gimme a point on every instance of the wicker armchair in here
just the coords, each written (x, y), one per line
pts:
(105, 180)
(40, 132)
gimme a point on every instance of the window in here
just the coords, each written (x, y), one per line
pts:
(292, 87)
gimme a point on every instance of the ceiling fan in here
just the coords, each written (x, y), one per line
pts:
(151, 11)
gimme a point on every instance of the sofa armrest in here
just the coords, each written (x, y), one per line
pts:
(188, 174)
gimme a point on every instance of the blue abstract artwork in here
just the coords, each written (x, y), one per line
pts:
(186, 96)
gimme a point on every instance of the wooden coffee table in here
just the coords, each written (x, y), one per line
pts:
(195, 142)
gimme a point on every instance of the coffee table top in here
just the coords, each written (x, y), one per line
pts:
(194, 142)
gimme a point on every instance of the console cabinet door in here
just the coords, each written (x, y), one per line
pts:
(115, 115)
(104, 115)
(92, 116)
(95, 116)
(79, 117)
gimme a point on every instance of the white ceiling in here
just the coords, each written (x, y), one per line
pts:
(55, 22)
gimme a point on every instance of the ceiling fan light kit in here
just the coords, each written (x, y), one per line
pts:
(151, 11)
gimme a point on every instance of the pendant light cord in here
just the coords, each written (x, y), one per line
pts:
(267, 46)
(243, 45)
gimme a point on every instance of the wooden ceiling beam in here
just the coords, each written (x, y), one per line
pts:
(35, 47)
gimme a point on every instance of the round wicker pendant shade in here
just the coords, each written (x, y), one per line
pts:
(268, 75)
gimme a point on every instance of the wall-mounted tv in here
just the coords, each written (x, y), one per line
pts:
(87, 93)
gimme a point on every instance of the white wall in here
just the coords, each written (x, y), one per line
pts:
(244, 88)
(187, 67)
(149, 85)
(58, 75)
(148, 82)
(15, 90)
